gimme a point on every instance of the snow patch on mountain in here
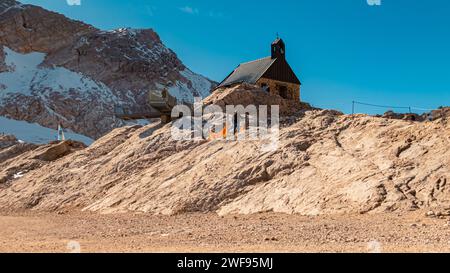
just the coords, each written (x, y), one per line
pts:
(34, 133)
(21, 70)
(199, 83)
(183, 92)
(6, 6)
(24, 75)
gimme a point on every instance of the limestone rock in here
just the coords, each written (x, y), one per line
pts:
(325, 163)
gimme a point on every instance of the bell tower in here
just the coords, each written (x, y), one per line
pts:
(278, 49)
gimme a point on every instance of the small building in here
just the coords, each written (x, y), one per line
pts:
(273, 74)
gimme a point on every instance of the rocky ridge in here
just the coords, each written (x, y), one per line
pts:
(57, 70)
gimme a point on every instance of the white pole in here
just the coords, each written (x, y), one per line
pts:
(60, 133)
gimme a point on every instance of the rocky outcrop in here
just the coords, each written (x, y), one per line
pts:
(3, 66)
(439, 114)
(18, 158)
(325, 163)
(403, 116)
(247, 94)
(443, 114)
(26, 28)
(75, 74)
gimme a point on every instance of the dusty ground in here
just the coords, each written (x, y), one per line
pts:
(42, 232)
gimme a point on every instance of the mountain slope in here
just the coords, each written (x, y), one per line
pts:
(326, 163)
(56, 70)
(36, 134)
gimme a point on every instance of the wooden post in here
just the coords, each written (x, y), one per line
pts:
(353, 107)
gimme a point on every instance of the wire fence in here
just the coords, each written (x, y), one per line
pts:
(409, 109)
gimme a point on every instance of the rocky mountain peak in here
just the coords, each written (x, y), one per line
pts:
(55, 70)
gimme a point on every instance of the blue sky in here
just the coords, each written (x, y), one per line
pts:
(397, 53)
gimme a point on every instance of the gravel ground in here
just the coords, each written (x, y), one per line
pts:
(42, 232)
